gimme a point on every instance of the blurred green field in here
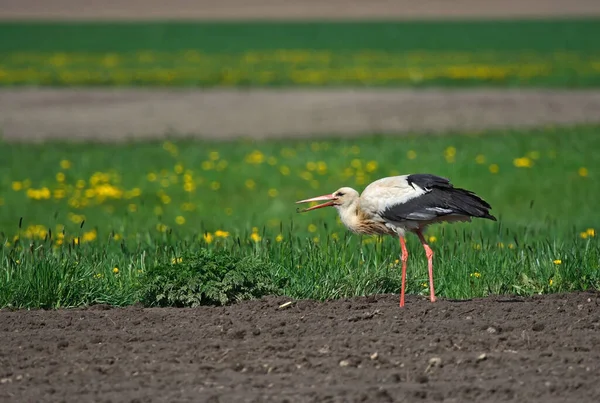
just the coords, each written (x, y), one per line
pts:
(556, 53)
(131, 222)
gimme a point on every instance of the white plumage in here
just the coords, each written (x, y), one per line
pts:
(403, 203)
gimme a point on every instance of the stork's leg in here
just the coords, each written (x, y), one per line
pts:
(429, 254)
(404, 259)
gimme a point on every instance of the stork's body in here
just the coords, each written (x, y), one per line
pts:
(395, 205)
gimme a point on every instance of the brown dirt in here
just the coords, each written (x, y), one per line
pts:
(121, 114)
(293, 9)
(543, 348)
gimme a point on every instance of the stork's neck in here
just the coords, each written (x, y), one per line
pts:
(350, 216)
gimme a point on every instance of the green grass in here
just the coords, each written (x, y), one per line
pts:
(558, 53)
(152, 210)
(541, 35)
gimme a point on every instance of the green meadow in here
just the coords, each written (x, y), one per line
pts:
(197, 222)
(556, 53)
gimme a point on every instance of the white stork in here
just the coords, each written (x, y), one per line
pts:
(403, 203)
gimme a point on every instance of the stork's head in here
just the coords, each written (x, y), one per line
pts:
(340, 199)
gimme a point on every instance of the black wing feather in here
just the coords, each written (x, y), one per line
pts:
(441, 199)
(428, 181)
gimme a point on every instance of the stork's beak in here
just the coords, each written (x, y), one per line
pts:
(319, 198)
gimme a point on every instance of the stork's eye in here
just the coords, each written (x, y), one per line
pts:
(339, 194)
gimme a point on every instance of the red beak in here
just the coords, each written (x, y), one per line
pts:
(324, 197)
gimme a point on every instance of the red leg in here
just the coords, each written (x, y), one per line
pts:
(429, 254)
(404, 259)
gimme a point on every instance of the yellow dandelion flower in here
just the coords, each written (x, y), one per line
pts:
(500, 245)
(189, 187)
(322, 167)
(188, 207)
(356, 163)
(65, 164)
(273, 193)
(208, 237)
(115, 270)
(178, 169)
(272, 161)
(151, 177)
(411, 154)
(311, 166)
(371, 166)
(180, 220)
(307, 176)
(432, 239)
(424, 285)
(117, 237)
(312, 228)
(221, 234)
(583, 235)
(80, 184)
(583, 172)
(208, 165)
(450, 154)
(511, 246)
(16, 186)
(279, 238)
(551, 282)
(213, 155)
(250, 184)
(165, 199)
(476, 275)
(494, 168)
(255, 237)
(214, 185)
(285, 171)
(158, 210)
(316, 239)
(60, 177)
(89, 236)
(480, 159)
(161, 227)
(591, 232)
(76, 218)
(557, 261)
(176, 260)
(255, 157)
(523, 162)
(355, 150)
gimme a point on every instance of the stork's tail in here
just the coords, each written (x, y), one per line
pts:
(468, 203)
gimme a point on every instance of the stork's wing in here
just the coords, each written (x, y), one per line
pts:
(424, 197)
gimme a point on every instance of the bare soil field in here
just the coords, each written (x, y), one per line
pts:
(543, 348)
(292, 9)
(124, 114)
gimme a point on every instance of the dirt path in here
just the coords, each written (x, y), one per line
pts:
(293, 9)
(114, 115)
(544, 348)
